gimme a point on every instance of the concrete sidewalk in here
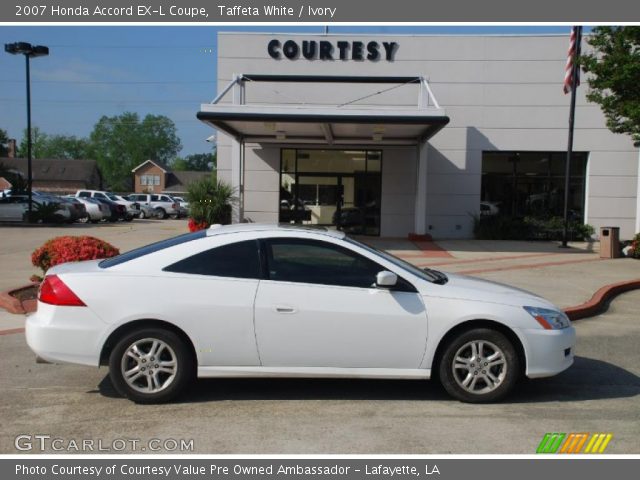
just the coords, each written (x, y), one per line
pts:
(567, 277)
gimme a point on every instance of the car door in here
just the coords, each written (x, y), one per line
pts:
(212, 296)
(319, 307)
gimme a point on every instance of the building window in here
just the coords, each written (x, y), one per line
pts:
(332, 187)
(156, 179)
(523, 184)
(143, 179)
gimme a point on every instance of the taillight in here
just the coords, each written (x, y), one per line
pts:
(54, 292)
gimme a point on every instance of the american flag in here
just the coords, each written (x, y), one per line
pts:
(574, 51)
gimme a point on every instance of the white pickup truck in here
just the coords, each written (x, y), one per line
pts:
(163, 205)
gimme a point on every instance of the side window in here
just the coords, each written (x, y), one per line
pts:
(84, 194)
(312, 261)
(154, 198)
(237, 260)
(100, 195)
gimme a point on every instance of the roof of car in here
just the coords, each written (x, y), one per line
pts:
(272, 227)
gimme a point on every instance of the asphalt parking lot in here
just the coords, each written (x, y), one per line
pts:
(599, 393)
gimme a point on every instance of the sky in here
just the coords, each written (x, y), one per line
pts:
(93, 71)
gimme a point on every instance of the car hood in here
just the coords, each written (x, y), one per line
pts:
(477, 289)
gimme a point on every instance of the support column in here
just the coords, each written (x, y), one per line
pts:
(237, 156)
(420, 219)
(237, 161)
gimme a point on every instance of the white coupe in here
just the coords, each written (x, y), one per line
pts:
(254, 300)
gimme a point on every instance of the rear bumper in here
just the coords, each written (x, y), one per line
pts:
(65, 334)
(549, 352)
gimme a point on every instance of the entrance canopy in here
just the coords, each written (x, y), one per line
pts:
(337, 125)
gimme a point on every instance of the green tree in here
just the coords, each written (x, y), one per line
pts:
(202, 162)
(4, 140)
(54, 146)
(614, 68)
(122, 142)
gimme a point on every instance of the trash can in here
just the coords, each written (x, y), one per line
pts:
(610, 242)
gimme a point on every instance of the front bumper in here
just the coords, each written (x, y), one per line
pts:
(548, 352)
(65, 334)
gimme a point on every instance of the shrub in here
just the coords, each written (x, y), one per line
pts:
(500, 227)
(45, 213)
(210, 202)
(71, 249)
(635, 246)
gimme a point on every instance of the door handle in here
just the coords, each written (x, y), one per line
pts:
(284, 309)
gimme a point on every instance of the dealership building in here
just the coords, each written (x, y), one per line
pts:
(400, 135)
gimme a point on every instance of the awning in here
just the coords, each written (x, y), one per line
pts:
(284, 124)
(341, 124)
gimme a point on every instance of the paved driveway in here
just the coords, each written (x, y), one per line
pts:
(599, 394)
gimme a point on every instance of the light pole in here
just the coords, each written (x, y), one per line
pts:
(28, 50)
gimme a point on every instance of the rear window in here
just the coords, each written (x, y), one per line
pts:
(235, 260)
(154, 247)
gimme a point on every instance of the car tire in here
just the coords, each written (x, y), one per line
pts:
(141, 215)
(160, 213)
(128, 218)
(164, 383)
(465, 368)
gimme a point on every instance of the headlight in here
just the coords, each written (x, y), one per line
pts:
(549, 319)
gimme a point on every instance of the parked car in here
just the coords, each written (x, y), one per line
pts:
(264, 300)
(14, 207)
(96, 211)
(146, 211)
(116, 211)
(163, 205)
(184, 206)
(489, 208)
(77, 208)
(132, 208)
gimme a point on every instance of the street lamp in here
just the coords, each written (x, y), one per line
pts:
(29, 51)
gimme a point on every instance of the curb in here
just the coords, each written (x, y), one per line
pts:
(599, 301)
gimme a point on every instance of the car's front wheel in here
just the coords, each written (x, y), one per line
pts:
(480, 365)
(151, 365)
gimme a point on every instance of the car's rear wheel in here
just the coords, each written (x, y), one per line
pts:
(161, 213)
(151, 365)
(480, 365)
(141, 215)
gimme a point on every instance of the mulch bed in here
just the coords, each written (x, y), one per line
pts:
(20, 300)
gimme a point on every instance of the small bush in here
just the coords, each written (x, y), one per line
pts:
(71, 249)
(635, 246)
(210, 202)
(499, 227)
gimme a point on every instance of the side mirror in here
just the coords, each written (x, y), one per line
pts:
(386, 279)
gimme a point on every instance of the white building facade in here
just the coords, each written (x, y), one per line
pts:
(400, 135)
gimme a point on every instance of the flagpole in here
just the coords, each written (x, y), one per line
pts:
(572, 113)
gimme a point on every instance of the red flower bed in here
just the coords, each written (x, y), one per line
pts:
(195, 226)
(71, 249)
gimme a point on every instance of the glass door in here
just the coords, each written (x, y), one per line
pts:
(320, 195)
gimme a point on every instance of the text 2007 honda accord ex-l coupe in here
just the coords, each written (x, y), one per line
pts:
(267, 300)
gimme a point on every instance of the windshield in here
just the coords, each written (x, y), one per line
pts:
(429, 275)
